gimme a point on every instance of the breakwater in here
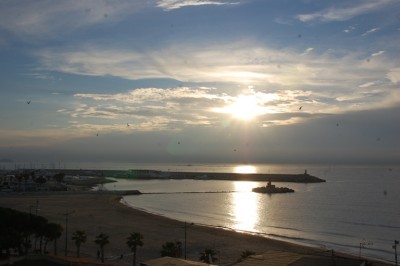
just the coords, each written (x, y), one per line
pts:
(152, 174)
(156, 174)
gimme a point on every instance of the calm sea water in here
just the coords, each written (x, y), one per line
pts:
(356, 207)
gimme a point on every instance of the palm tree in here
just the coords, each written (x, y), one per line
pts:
(171, 249)
(79, 237)
(101, 241)
(208, 256)
(133, 241)
(52, 233)
(39, 225)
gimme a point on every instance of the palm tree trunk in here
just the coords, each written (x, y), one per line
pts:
(40, 246)
(45, 246)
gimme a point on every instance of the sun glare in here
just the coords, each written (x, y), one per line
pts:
(248, 106)
(245, 107)
(245, 169)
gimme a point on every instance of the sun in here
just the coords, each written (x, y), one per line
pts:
(245, 169)
(245, 107)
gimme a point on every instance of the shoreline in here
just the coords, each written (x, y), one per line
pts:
(318, 248)
(104, 212)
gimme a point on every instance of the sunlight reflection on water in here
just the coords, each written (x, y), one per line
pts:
(356, 203)
(245, 169)
(244, 204)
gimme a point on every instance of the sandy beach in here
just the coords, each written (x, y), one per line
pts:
(97, 213)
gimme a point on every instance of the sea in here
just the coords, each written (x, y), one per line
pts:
(356, 211)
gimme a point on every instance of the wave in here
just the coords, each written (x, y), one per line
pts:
(340, 227)
(372, 225)
(302, 239)
(285, 228)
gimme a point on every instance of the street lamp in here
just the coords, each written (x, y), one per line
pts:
(66, 230)
(186, 236)
(36, 213)
(396, 242)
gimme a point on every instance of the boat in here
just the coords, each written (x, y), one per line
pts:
(271, 189)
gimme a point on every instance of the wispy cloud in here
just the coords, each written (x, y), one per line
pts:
(307, 51)
(233, 63)
(349, 29)
(175, 4)
(370, 31)
(344, 13)
(378, 53)
(368, 84)
(47, 19)
(41, 76)
(41, 19)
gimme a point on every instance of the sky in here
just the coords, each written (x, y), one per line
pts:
(200, 81)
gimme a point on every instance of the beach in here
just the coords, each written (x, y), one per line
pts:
(103, 212)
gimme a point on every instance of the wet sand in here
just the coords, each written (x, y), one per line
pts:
(97, 213)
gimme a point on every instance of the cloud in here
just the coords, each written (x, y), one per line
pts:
(283, 20)
(394, 75)
(35, 137)
(148, 109)
(343, 14)
(370, 31)
(42, 19)
(368, 84)
(236, 62)
(327, 78)
(307, 51)
(349, 29)
(175, 4)
(378, 53)
(318, 141)
(177, 108)
(43, 76)
(48, 19)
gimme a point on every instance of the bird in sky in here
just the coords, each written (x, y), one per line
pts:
(300, 107)
(28, 102)
(127, 125)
